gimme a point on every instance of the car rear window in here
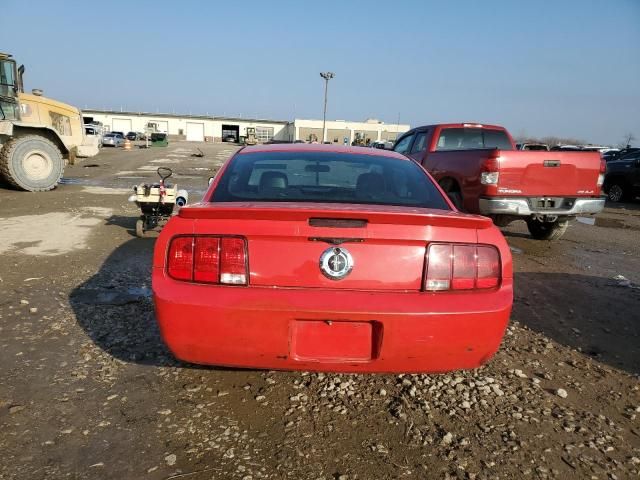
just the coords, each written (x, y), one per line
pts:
(471, 138)
(326, 177)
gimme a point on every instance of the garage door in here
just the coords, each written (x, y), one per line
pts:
(121, 125)
(161, 126)
(195, 132)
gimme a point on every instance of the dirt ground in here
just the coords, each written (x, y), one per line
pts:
(87, 389)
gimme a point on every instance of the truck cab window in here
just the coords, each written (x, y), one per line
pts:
(420, 144)
(403, 145)
(473, 138)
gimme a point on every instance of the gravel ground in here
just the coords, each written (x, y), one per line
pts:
(87, 390)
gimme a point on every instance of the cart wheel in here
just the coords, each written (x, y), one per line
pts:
(140, 228)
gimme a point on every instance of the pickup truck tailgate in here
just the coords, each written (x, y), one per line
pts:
(560, 174)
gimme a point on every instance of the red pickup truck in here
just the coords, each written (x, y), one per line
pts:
(480, 169)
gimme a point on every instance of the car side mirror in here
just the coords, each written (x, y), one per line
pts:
(210, 181)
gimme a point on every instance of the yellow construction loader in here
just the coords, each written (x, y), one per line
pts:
(38, 135)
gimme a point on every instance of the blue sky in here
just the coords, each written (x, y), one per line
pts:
(566, 67)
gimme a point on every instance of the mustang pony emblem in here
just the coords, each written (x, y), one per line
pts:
(336, 263)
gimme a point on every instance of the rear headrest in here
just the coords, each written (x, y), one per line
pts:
(273, 180)
(370, 184)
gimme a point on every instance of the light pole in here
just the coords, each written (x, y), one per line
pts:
(327, 76)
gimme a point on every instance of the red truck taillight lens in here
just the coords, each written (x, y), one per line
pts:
(462, 267)
(208, 259)
(490, 174)
(603, 171)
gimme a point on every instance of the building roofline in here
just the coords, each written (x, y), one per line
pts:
(176, 115)
(364, 122)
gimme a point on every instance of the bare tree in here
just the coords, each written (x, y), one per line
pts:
(628, 138)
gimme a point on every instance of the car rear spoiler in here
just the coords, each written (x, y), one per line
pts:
(275, 211)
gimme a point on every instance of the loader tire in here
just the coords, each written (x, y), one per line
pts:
(31, 163)
(547, 230)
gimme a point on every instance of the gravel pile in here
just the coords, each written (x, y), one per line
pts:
(530, 411)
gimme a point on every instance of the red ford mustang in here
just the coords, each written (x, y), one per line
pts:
(315, 257)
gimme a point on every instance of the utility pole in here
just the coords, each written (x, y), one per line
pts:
(327, 76)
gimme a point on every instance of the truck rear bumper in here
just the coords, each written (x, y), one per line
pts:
(525, 206)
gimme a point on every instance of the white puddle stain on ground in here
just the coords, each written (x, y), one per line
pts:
(106, 190)
(163, 160)
(103, 212)
(50, 234)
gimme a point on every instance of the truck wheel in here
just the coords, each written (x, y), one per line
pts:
(616, 192)
(31, 163)
(547, 230)
(140, 228)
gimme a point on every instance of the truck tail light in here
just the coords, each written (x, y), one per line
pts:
(490, 174)
(603, 171)
(461, 267)
(489, 178)
(208, 259)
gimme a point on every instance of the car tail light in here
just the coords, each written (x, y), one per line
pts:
(488, 263)
(208, 259)
(464, 267)
(180, 264)
(461, 267)
(233, 261)
(206, 266)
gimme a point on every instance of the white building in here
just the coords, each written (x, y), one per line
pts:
(215, 129)
(189, 127)
(345, 132)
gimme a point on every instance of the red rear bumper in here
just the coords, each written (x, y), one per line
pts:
(330, 330)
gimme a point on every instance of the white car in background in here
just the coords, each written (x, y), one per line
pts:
(113, 140)
(382, 145)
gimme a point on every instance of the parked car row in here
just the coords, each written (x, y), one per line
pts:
(117, 139)
(133, 136)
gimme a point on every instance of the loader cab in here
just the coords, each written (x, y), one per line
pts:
(10, 86)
